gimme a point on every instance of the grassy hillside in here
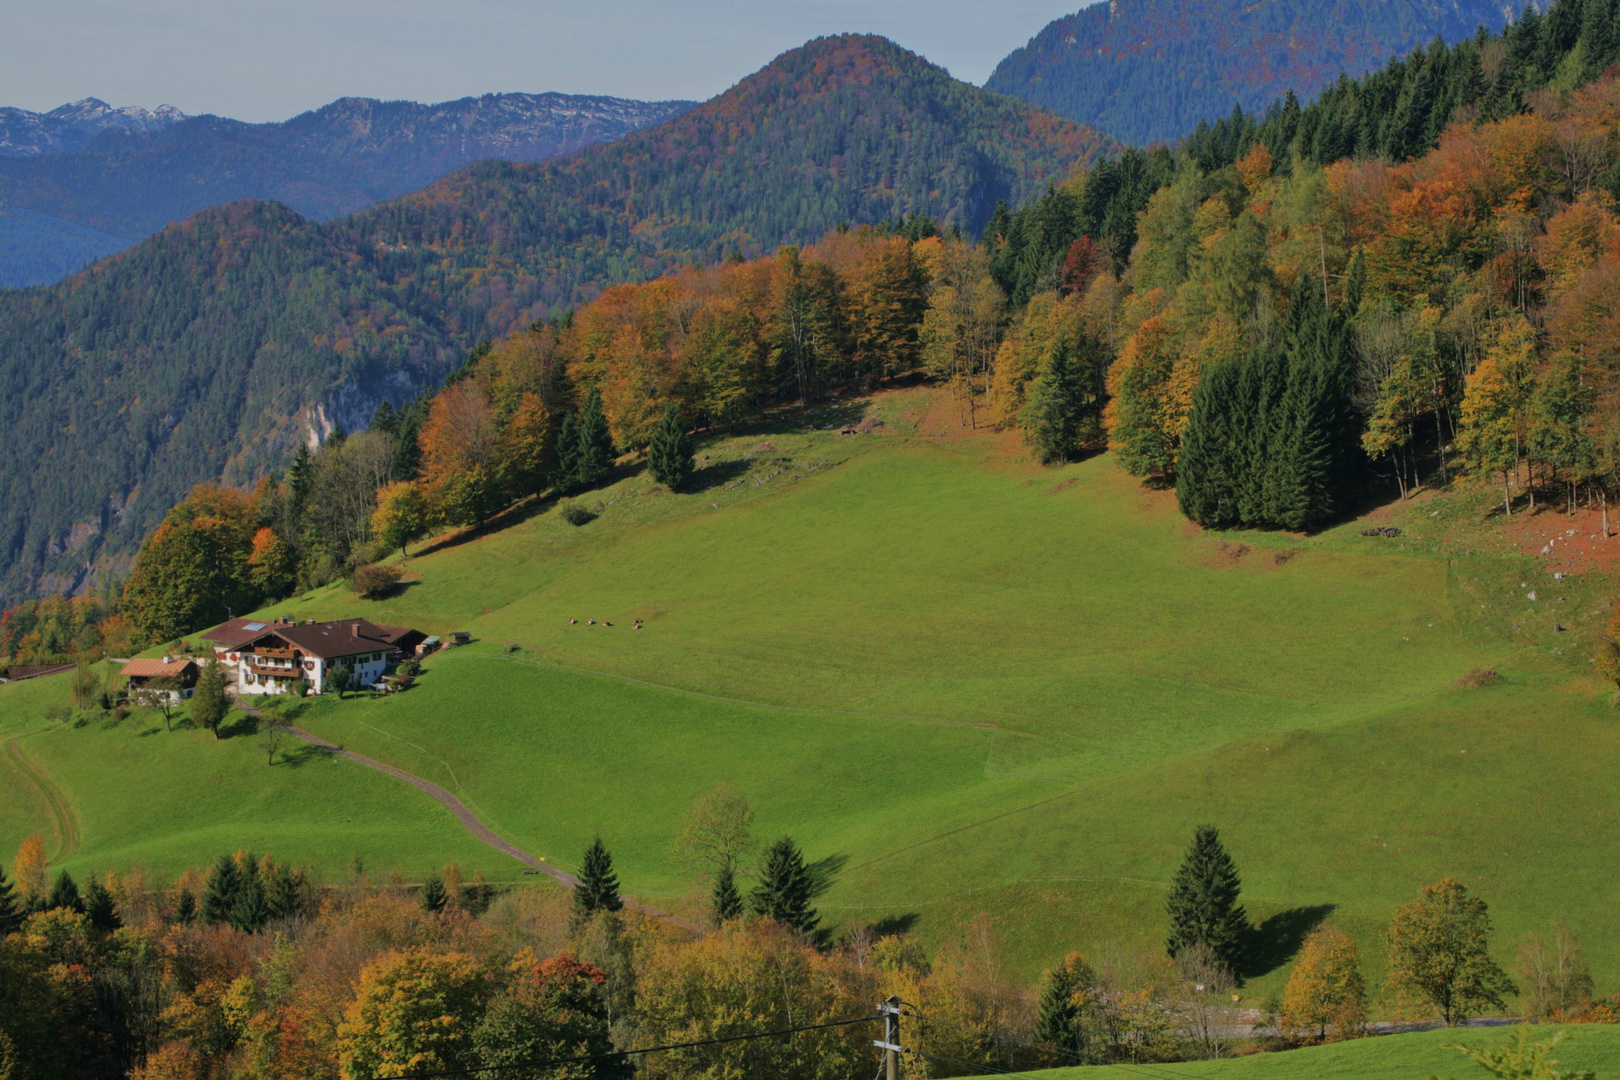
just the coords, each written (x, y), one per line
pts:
(1392, 1057)
(975, 686)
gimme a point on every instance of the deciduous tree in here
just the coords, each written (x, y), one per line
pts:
(1325, 993)
(415, 1010)
(400, 517)
(1439, 953)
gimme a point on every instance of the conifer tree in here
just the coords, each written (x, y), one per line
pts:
(219, 896)
(1203, 903)
(595, 443)
(249, 912)
(65, 894)
(1058, 1021)
(281, 893)
(567, 454)
(786, 888)
(432, 897)
(11, 907)
(728, 903)
(99, 907)
(1051, 415)
(209, 701)
(598, 888)
(185, 907)
(669, 458)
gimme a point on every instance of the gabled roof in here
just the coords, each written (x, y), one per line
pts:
(331, 640)
(157, 669)
(234, 632)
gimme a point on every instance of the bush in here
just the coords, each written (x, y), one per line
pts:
(576, 515)
(408, 668)
(374, 581)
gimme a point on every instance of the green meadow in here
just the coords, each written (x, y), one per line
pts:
(1390, 1057)
(966, 684)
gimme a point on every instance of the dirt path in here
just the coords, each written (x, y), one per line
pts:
(468, 819)
(63, 821)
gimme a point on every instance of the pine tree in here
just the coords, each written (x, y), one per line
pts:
(728, 903)
(567, 454)
(786, 888)
(598, 887)
(65, 894)
(595, 443)
(1051, 415)
(1203, 903)
(432, 897)
(300, 478)
(1058, 1022)
(209, 701)
(219, 896)
(185, 907)
(281, 893)
(99, 907)
(669, 458)
(11, 908)
(1206, 471)
(249, 912)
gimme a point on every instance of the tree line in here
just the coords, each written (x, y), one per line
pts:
(247, 968)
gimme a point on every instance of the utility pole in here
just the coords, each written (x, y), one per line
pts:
(891, 1038)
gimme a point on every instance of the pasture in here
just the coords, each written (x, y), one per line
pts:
(968, 684)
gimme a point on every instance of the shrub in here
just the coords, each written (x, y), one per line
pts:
(408, 668)
(374, 581)
(576, 515)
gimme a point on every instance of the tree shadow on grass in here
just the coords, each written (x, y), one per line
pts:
(712, 476)
(824, 873)
(896, 925)
(1276, 939)
(302, 754)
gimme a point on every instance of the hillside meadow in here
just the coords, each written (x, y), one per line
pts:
(964, 683)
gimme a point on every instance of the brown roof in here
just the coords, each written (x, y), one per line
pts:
(330, 640)
(156, 669)
(234, 632)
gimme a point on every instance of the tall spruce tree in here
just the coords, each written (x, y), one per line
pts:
(219, 895)
(11, 907)
(99, 907)
(432, 897)
(65, 894)
(1058, 1021)
(1051, 415)
(1203, 903)
(728, 904)
(567, 454)
(250, 911)
(185, 907)
(598, 888)
(669, 458)
(595, 443)
(786, 888)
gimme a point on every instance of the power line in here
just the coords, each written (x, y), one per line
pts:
(581, 1059)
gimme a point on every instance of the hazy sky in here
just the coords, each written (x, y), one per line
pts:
(269, 61)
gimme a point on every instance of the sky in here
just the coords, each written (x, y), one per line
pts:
(269, 61)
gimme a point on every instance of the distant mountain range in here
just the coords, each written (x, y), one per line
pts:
(210, 350)
(126, 173)
(72, 127)
(1149, 70)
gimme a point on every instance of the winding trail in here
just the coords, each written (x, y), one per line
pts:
(468, 819)
(63, 821)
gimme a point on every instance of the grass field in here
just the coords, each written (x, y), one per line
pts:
(1389, 1057)
(970, 684)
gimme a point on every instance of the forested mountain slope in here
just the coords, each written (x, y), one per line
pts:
(213, 348)
(1150, 70)
(132, 180)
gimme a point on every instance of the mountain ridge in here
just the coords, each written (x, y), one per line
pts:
(328, 162)
(1148, 71)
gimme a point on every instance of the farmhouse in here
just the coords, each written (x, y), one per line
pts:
(232, 634)
(180, 674)
(279, 655)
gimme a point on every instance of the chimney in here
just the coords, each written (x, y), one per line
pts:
(354, 629)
